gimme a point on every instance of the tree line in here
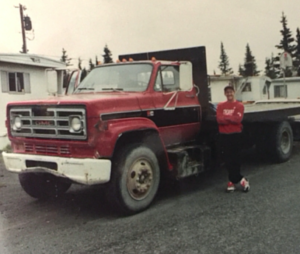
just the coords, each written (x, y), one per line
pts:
(272, 63)
(248, 68)
(107, 58)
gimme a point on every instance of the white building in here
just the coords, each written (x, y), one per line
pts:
(286, 88)
(246, 89)
(217, 84)
(26, 77)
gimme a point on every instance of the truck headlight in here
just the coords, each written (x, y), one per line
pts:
(17, 123)
(76, 124)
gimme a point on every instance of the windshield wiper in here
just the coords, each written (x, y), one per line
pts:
(86, 88)
(112, 89)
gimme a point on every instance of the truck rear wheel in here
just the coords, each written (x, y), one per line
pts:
(281, 144)
(135, 179)
(43, 185)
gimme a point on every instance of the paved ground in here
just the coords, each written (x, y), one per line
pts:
(196, 216)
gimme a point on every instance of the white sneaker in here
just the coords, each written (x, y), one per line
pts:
(245, 185)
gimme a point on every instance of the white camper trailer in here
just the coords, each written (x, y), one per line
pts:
(253, 88)
(286, 88)
(217, 84)
(247, 89)
(26, 77)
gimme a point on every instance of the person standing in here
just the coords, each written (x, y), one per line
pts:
(229, 117)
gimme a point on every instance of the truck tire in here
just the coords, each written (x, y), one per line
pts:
(262, 142)
(281, 144)
(135, 179)
(43, 185)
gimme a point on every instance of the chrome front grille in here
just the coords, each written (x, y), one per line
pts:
(29, 148)
(47, 122)
(47, 149)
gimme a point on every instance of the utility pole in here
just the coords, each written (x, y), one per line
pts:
(24, 47)
(25, 25)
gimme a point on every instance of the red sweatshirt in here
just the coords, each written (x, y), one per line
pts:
(230, 116)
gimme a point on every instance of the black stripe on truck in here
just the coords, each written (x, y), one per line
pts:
(161, 117)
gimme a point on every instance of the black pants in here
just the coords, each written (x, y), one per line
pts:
(230, 148)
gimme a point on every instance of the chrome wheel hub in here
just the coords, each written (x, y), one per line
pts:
(139, 179)
(285, 142)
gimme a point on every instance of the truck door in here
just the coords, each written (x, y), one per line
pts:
(142, 80)
(177, 112)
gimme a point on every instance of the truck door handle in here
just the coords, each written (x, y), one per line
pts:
(190, 95)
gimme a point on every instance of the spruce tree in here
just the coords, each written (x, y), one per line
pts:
(250, 68)
(268, 67)
(286, 42)
(224, 62)
(107, 55)
(96, 60)
(270, 70)
(297, 52)
(83, 74)
(92, 66)
(285, 45)
(79, 63)
(241, 70)
(64, 58)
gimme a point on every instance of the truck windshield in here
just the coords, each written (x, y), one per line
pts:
(120, 77)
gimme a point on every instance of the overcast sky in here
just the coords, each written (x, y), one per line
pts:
(130, 26)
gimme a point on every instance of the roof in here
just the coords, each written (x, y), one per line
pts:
(288, 79)
(224, 77)
(142, 61)
(237, 78)
(32, 60)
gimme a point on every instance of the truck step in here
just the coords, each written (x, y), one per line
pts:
(189, 160)
(178, 149)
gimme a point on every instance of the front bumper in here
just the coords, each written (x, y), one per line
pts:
(83, 171)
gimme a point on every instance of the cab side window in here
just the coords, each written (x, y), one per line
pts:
(167, 79)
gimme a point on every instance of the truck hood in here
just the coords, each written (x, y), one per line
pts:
(95, 103)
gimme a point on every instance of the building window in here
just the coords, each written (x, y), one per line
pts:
(15, 82)
(280, 91)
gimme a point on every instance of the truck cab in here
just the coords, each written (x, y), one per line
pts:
(152, 90)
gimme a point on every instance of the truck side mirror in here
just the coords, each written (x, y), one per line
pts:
(51, 77)
(185, 76)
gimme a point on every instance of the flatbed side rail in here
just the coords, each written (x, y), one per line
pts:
(271, 110)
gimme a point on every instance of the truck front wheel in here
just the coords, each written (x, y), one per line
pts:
(43, 185)
(135, 179)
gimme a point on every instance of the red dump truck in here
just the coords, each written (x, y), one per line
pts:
(129, 123)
